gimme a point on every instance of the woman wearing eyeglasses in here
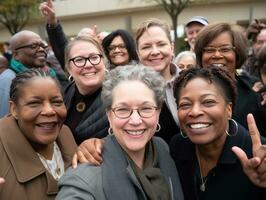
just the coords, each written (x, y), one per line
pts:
(222, 45)
(136, 165)
(119, 47)
(85, 63)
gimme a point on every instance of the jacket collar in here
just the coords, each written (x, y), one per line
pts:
(23, 158)
(227, 156)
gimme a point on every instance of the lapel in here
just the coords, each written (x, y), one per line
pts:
(23, 158)
(115, 174)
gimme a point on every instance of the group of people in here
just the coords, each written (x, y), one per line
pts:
(125, 91)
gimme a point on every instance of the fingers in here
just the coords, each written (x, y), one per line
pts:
(254, 133)
(241, 155)
(261, 153)
(75, 161)
(2, 181)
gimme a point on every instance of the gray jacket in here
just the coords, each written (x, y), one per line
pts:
(115, 179)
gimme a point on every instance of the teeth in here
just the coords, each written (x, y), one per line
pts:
(47, 125)
(218, 64)
(139, 132)
(89, 74)
(198, 126)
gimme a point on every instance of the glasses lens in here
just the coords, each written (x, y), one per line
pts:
(146, 111)
(95, 59)
(79, 61)
(122, 112)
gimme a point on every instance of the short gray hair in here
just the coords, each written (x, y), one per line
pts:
(183, 54)
(133, 72)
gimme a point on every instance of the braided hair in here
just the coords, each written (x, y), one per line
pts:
(22, 78)
(220, 76)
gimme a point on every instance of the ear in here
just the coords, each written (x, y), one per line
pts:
(109, 116)
(229, 110)
(13, 109)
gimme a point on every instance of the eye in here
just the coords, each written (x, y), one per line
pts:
(146, 109)
(33, 104)
(94, 57)
(184, 106)
(79, 60)
(209, 50)
(146, 47)
(209, 102)
(161, 44)
(58, 102)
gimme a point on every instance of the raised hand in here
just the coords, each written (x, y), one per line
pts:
(89, 151)
(48, 12)
(255, 167)
(2, 181)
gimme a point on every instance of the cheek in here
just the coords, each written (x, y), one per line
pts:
(205, 59)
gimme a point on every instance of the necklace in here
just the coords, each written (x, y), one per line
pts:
(55, 166)
(81, 106)
(203, 182)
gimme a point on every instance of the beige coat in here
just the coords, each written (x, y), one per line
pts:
(26, 178)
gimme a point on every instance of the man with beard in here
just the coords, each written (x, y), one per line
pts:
(30, 51)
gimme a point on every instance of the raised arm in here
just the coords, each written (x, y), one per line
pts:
(54, 30)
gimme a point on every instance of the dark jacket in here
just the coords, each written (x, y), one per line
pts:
(114, 179)
(226, 180)
(26, 177)
(249, 101)
(94, 123)
(169, 127)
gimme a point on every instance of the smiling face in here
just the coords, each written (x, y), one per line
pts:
(88, 78)
(192, 31)
(118, 53)
(155, 50)
(203, 113)
(31, 58)
(134, 132)
(223, 59)
(40, 110)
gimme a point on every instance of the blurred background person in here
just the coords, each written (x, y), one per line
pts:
(120, 48)
(136, 164)
(6, 77)
(35, 146)
(221, 45)
(185, 60)
(193, 27)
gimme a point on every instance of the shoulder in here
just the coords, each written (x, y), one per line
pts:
(159, 142)
(84, 182)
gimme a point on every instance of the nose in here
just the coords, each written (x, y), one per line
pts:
(88, 64)
(195, 110)
(217, 54)
(135, 118)
(155, 50)
(48, 109)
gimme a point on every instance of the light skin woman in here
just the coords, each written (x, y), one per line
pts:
(85, 62)
(131, 151)
(210, 138)
(38, 147)
(185, 60)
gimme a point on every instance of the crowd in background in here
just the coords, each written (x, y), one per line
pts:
(208, 104)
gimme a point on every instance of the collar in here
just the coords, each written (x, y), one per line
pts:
(186, 150)
(23, 158)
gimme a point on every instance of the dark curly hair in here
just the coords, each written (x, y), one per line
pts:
(219, 76)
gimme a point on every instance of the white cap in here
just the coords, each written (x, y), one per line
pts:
(198, 19)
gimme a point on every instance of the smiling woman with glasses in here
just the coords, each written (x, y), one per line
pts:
(132, 156)
(86, 64)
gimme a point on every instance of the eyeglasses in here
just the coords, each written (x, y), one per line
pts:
(81, 61)
(124, 112)
(221, 50)
(34, 46)
(114, 47)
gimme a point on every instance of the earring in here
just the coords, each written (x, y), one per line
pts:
(70, 78)
(183, 135)
(235, 129)
(110, 131)
(158, 128)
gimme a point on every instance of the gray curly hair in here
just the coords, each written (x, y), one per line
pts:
(131, 72)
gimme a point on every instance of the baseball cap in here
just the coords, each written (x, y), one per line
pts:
(198, 19)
